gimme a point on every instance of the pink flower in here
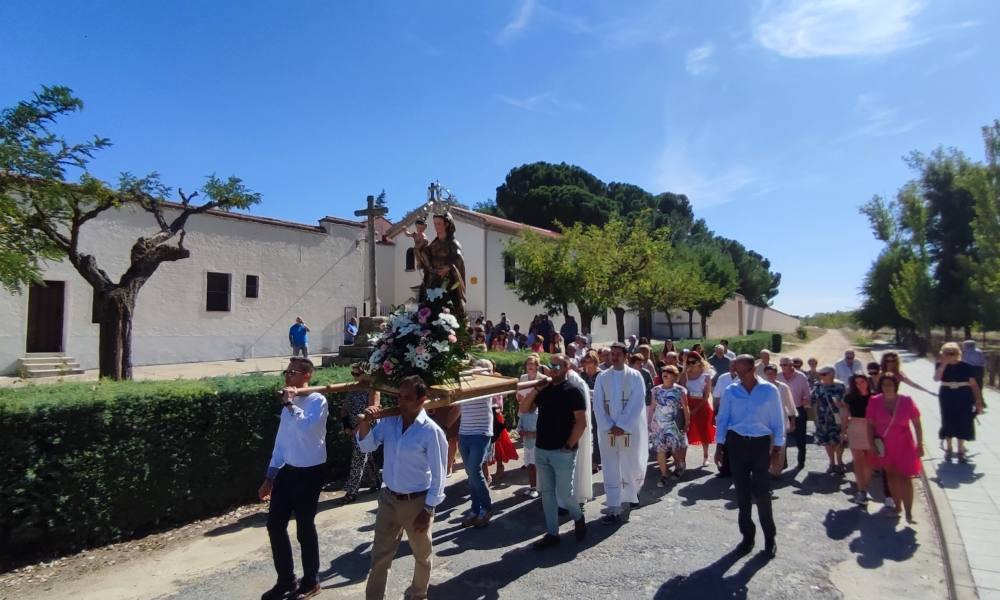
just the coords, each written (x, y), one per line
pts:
(421, 350)
(387, 367)
(425, 332)
(383, 347)
(452, 339)
(423, 314)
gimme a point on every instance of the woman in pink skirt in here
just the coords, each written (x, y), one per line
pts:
(889, 418)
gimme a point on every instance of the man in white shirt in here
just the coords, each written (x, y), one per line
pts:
(729, 353)
(414, 474)
(843, 369)
(751, 421)
(293, 481)
(620, 407)
(765, 359)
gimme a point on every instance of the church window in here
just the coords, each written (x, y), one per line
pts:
(508, 268)
(252, 289)
(410, 262)
(217, 292)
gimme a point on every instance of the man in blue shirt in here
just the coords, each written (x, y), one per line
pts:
(298, 338)
(751, 423)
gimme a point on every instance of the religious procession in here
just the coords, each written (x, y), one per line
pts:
(610, 410)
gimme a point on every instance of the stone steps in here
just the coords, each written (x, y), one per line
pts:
(47, 364)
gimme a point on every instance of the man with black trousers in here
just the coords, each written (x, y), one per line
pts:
(293, 482)
(751, 422)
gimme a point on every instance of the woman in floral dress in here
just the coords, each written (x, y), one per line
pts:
(828, 398)
(666, 435)
(362, 463)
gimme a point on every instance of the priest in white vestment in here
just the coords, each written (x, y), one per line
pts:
(619, 403)
(583, 477)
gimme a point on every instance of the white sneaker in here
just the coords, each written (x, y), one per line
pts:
(532, 493)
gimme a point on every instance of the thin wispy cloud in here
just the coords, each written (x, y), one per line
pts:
(546, 103)
(531, 12)
(698, 60)
(519, 23)
(878, 119)
(704, 183)
(816, 28)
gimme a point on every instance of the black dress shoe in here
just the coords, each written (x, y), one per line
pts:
(771, 549)
(744, 547)
(280, 590)
(634, 504)
(546, 542)
(563, 511)
(306, 591)
(580, 527)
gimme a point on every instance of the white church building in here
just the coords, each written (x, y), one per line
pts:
(248, 277)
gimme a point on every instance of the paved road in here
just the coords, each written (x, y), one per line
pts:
(676, 545)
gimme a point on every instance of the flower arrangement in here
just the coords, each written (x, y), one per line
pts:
(421, 342)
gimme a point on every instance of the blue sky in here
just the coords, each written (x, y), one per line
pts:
(777, 119)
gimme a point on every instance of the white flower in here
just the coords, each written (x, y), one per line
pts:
(435, 293)
(441, 346)
(447, 321)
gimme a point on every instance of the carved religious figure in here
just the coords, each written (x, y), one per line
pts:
(441, 260)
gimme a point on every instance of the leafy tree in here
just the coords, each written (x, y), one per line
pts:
(950, 212)
(757, 282)
(832, 320)
(878, 309)
(719, 279)
(37, 201)
(542, 272)
(984, 185)
(380, 200)
(913, 294)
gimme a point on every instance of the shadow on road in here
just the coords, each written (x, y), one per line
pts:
(712, 581)
(878, 542)
(952, 476)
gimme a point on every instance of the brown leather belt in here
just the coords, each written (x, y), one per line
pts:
(409, 496)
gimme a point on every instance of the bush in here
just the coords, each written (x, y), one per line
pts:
(87, 464)
(747, 344)
(801, 333)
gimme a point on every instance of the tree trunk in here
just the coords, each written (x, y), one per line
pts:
(646, 323)
(670, 325)
(691, 324)
(565, 311)
(968, 332)
(620, 322)
(116, 308)
(586, 318)
(704, 328)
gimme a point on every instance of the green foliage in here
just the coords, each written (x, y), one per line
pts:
(543, 271)
(913, 294)
(802, 333)
(878, 309)
(832, 320)
(549, 196)
(983, 184)
(87, 464)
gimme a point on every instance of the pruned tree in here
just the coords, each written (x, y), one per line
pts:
(46, 213)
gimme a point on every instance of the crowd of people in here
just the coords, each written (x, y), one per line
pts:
(541, 336)
(640, 408)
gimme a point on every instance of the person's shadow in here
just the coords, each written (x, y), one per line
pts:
(712, 581)
(878, 541)
(952, 476)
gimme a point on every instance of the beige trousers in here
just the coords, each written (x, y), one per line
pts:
(394, 517)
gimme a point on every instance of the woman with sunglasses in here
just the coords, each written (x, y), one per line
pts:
(891, 364)
(671, 418)
(960, 400)
(889, 416)
(363, 464)
(828, 398)
(527, 423)
(698, 382)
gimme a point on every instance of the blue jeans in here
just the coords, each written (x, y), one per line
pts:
(473, 449)
(555, 478)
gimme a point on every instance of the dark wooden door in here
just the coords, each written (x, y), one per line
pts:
(45, 316)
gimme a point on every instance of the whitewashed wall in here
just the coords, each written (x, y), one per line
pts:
(308, 272)
(768, 319)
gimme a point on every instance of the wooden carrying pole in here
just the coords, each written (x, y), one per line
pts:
(440, 402)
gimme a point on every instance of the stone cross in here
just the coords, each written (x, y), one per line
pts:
(371, 212)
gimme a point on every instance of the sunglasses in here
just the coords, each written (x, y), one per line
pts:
(693, 362)
(293, 371)
(555, 366)
(786, 364)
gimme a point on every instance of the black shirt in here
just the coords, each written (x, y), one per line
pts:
(556, 405)
(857, 404)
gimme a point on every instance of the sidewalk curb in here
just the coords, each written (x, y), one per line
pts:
(958, 572)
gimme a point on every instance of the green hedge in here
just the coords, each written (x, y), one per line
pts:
(89, 463)
(747, 344)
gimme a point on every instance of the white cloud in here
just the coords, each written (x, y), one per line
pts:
(879, 120)
(679, 170)
(814, 28)
(545, 102)
(519, 23)
(698, 60)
